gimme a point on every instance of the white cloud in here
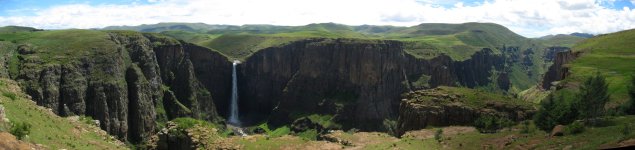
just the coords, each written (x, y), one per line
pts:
(527, 17)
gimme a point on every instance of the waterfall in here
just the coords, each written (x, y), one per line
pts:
(233, 114)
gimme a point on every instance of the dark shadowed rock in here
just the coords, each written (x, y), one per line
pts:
(558, 130)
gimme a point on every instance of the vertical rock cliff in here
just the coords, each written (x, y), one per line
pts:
(123, 83)
(358, 81)
(557, 71)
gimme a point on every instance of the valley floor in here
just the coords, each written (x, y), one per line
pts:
(616, 132)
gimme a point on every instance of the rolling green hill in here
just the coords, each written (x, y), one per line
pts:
(561, 40)
(424, 41)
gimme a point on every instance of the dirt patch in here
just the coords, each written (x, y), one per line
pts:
(321, 145)
(429, 133)
(627, 144)
(359, 140)
(8, 141)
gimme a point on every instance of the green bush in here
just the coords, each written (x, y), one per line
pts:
(438, 135)
(284, 130)
(490, 124)
(390, 126)
(278, 132)
(9, 95)
(574, 128)
(311, 134)
(629, 108)
(626, 130)
(554, 111)
(525, 128)
(592, 98)
(186, 123)
(20, 130)
(87, 120)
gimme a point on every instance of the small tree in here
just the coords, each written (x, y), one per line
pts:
(543, 119)
(438, 135)
(630, 106)
(554, 111)
(592, 98)
(20, 130)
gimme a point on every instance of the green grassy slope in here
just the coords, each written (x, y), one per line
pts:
(168, 26)
(471, 98)
(591, 138)
(612, 55)
(560, 40)
(13, 29)
(48, 129)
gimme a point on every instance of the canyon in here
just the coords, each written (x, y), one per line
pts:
(132, 82)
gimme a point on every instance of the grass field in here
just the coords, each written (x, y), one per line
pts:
(611, 55)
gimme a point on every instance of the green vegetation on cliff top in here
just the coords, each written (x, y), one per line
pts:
(474, 98)
(423, 41)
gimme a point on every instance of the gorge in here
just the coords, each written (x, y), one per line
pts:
(139, 85)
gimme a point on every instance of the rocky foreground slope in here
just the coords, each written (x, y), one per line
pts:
(446, 106)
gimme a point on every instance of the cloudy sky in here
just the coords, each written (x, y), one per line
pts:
(530, 18)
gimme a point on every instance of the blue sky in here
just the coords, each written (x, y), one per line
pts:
(530, 18)
(27, 7)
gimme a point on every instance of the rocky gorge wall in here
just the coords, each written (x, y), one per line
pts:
(149, 78)
(125, 88)
(558, 71)
(357, 81)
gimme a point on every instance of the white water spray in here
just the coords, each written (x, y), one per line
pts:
(233, 114)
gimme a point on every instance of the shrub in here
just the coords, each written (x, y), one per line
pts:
(630, 106)
(574, 128)
(311, 134)
(489, 124)
(626, 130)
(87, 120)
(186, 123)
(284, 130)
(352, 131)
(592, 98)
(525, 128)
(20, 130)
(390, 126)
(438, 135)
(554, 111)
(9, 95)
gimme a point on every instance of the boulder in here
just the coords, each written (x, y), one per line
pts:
(558, 130)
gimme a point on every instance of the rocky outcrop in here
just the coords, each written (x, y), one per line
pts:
(446, 106)
(121, 83)
(552, 52)
(558, 70)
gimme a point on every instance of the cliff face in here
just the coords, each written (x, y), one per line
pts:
(147, 77)
(442, 70)
(121, 88)
(358, 81)
(355, 79)
(445, 106)
(558, 71)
